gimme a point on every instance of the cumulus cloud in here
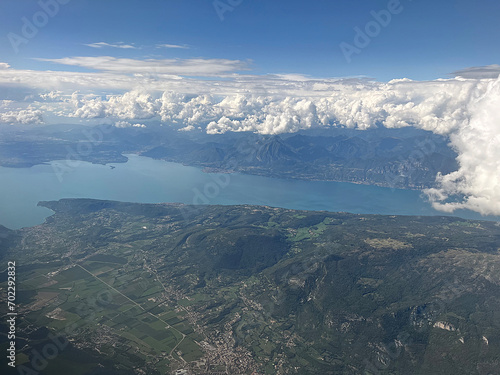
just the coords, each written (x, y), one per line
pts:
(476, 185)
(4, 65)
(272, 117)
(111, 45)
(126, 124)
(438, 106)
(53, 95)
(131, 105)
(24, 116)
(441, 106)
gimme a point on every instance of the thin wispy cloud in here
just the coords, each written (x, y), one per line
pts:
(479, 72)
(177, 46)
(111, 45)
(187, 67)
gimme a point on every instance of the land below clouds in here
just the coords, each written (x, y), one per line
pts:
(252, 289)
(398, 158)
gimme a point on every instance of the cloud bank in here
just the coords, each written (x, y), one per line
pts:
(21, 116)
(476, 185)
(463, 109)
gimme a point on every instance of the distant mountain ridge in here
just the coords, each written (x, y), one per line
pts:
(399, 158)
(387, 161)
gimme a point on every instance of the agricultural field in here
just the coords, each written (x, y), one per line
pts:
(120, 288)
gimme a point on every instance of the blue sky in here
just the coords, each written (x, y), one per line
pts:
(426, 40)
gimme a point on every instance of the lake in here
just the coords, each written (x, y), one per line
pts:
(146, 180)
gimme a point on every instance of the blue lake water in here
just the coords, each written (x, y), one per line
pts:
(146, 180)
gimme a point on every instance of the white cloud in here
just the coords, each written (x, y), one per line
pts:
(187, 128)
(52, 95)
(24, 116)
(463, 109)
(476, 185)
(272, 117)
(4, 65)
(147, 76)
(189, 67)
(131, 105)
(111, 45)
(126, 124)
(193, 111)
(438, 106)
(176, 46)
